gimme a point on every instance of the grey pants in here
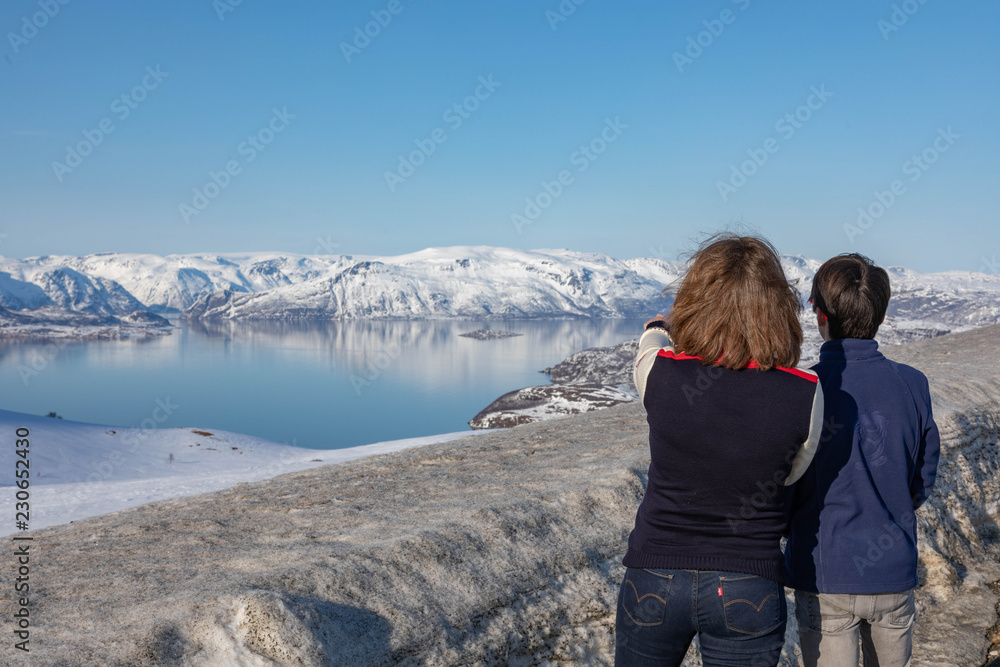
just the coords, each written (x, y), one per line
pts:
(831, 625)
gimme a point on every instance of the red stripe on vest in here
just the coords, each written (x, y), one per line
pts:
(680, 356)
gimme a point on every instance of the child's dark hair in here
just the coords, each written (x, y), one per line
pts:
(853, 293)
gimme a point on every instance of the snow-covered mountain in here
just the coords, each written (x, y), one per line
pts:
(162, 284)
(53, 300)
(462, 282)
(31, 286)
(453, 282)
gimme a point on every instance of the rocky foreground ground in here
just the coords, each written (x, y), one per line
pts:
(503, 549)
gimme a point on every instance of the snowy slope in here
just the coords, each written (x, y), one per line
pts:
(80, 470)
(19, 294)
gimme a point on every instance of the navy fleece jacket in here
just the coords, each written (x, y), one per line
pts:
(853, 526)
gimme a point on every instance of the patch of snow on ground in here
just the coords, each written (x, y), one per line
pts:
(81, 470)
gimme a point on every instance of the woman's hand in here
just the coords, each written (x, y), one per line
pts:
(658, 318)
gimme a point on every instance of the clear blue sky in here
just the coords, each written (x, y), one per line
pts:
(650, 192)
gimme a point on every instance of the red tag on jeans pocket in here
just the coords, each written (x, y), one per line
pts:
(720, 591)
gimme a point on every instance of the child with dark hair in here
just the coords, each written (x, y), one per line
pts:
(852, 546)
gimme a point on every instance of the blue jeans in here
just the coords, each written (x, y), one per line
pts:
(739, 618)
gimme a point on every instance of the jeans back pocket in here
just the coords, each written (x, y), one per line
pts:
(643, 595)
(830, 613)
(903, 611)
(753, 605)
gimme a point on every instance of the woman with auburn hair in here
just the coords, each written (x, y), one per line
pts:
(732, 423)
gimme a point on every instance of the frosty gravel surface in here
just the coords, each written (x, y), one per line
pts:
(502, 549)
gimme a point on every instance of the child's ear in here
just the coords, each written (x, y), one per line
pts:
(823, 324)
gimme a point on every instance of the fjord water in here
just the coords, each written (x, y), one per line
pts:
(322, 385)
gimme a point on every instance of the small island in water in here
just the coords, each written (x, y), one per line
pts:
(488, 334)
